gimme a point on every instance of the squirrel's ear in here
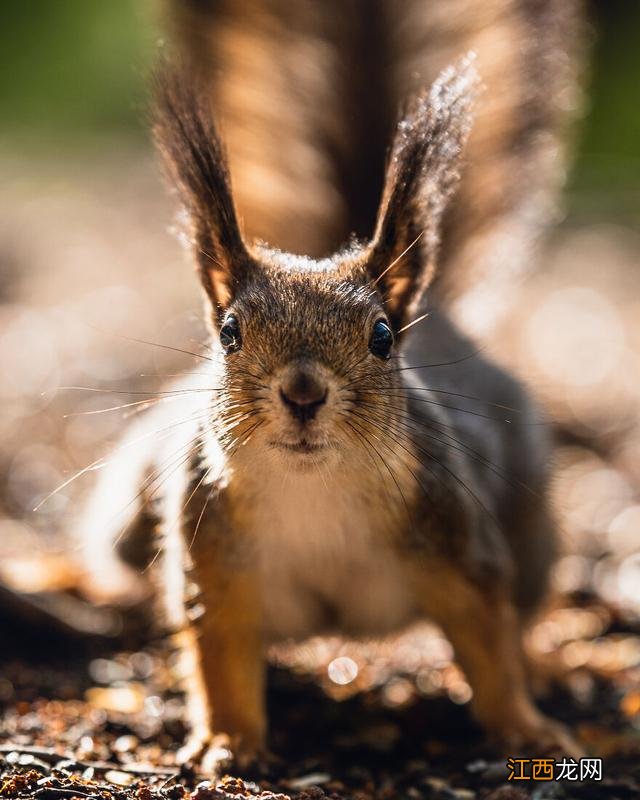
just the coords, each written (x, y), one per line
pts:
(195, 161)
(422, 174)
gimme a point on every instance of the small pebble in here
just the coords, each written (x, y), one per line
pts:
(313, 779)
(119, 778)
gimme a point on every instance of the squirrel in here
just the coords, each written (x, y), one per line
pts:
(344, 458)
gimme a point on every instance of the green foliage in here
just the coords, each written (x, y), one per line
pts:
(72, 73)
(606, 177)
(72, 68)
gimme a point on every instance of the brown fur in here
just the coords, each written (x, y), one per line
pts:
(310, 320)
(194, 158)
(308, 94)
(384, 505)
(485, 632)
(422, 175)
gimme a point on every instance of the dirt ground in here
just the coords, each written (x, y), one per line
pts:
(386, 720)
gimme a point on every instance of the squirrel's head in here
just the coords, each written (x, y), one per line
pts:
(310, 348)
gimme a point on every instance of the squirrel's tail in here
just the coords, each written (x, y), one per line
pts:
(307, 93)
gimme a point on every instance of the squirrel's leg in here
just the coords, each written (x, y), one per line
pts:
(484, 629)
(224, 663)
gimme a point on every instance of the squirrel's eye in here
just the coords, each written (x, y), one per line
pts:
(381, 340)
(230, 338)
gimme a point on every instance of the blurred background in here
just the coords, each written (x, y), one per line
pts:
(92, 273)
(89, 264)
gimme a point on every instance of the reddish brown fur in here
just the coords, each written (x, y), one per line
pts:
(298, 314)
(436, 534)
(308, 93)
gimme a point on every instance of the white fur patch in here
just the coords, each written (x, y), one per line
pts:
(324, 562)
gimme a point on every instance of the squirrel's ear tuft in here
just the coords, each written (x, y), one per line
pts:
(422, 174)
(195, 161)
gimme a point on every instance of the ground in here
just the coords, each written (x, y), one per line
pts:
(387, 720)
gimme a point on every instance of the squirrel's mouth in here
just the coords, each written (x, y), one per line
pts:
(303, 446)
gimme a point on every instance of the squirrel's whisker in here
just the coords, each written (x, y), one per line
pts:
(102, 461)
(157, 479)
(141, 403)
(451, 408)
(204, 477)
(157, 344)
(449, 471)
(427, 453)
(460, 446)
(415, 322)
(209, 496)
(432, 390)
(368, 447)
(455, 361)
(399, 258)
(393, 477)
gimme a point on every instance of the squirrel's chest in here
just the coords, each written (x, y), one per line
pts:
(325, 564)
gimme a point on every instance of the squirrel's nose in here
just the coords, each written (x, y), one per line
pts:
(303, 394)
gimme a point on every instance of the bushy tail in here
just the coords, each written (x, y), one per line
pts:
(307, 94)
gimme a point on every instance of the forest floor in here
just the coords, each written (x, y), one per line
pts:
(387, 720)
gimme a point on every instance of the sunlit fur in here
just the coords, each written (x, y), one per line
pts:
(295, 312)
(407, 492)
(308, 92)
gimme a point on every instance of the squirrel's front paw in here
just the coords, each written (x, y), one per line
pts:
(210, 754)
(540, 734)
(213, 754)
